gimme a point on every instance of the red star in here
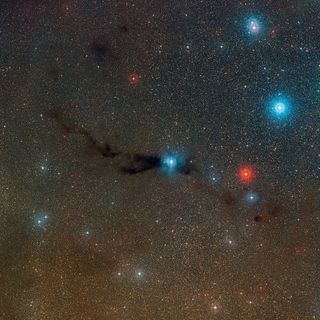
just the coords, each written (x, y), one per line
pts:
(133, 78)
(246, 174)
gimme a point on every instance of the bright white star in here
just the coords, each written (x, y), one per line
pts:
(254, 26)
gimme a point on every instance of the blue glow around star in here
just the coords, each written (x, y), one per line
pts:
(214, 179)
(254, 26)
(139, 274)
(87, 233)
(170, 163)
(40, 220)
(280, 107)
(251, 197)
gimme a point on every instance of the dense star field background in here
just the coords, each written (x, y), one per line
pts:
(159, 160)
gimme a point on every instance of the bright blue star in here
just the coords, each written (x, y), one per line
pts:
(40, 220)
(251, 197)
(280, 107)
(254, 26)
(169, 163)
(214, 179)
(139, 274)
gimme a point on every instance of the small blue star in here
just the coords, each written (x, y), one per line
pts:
(214, 179)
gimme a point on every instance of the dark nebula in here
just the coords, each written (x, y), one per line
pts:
(159, 160)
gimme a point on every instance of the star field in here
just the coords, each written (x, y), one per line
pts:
(160, 160)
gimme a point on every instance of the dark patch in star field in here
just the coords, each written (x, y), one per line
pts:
(258, 218)
(229, 198)
(140, 163)
(124, 29)
(272, 210)
(137, 163)
(104, 150)
(54, 73)
(101, 50)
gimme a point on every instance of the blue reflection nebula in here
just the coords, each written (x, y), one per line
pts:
(254, 26)
(251, 197)
(169, 163)
(40, 220)
(280, 107)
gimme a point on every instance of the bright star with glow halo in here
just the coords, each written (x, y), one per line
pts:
(254, 26)
(169, 163)
(251, 197)
(40, 220)
(280, 107)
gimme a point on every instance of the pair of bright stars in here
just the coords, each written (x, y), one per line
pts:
(279, 106)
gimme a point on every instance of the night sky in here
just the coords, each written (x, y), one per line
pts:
(160, 160)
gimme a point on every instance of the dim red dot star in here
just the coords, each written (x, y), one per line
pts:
(67, 8)
(246, 174)
(133, 78)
